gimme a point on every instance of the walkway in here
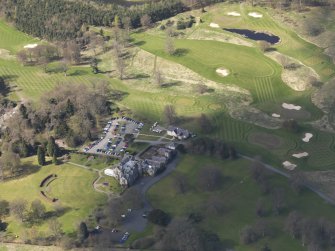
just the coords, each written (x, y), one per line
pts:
(96, 184)
(276, 170)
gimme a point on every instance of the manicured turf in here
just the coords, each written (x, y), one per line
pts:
(239, 194)
(291, 44)
(13, 40)
(73, 188)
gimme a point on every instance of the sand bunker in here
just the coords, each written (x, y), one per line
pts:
(289, 166)
(307, 137)
(291, 107)
(300, 155)
(234, 14)
(30, 46)
(214, 25)
(275, 115)
(255, 15)
(222, 72)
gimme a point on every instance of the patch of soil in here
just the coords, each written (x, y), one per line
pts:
(265, 140)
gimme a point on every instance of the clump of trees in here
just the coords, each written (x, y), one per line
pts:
(315, 234)
(62, 19)
(211, 147)
(41, 54)
(64, 112)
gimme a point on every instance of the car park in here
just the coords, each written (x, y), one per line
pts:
(111, 141)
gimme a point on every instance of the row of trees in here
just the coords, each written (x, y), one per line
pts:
(211, 147)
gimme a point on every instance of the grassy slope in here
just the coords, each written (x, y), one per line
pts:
(12, 39)
(33, 82)
(239, 199)
(68, 187)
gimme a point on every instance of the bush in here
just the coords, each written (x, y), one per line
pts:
(159, 217)
(143, 243)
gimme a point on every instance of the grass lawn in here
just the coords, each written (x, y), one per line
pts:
(13, 40)
(240, 194)
(73, 187)
(95, 162)
(137, 147)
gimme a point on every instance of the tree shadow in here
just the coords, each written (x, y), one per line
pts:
(181, 52)
(139, 43)
(3, 226)
(5, 88)
(171, 84)
(58, 213)
(137, 76)
(271, 49)
(118, 95)
(78, 73)
(228, 243)
(25, 170)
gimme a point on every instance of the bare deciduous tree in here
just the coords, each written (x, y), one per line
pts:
(18, 208)
(146, 21)
(169, 45)
(170, 114)
(210, 178)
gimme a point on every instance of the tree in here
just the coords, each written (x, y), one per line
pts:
(180, 183)
(202, 88)
(132, 198)
(37, 210)
(181, 234)
(94, 65)
(118, 59)
(158, 77)
(10, 164)
(4, 209)
(297, 181)
(64, 66)
(55, 227)
(265, 248)
(169, 45)
(264, 46)
(170, 114)
(146, 21)
(210, 178)
(54, 158)
(291, 125)
(71, 52)
(18, 208)
(248, 235)
(215, 205)
(260, 208)
(114, 210)
(51, 147)
(278, 200)
(41, 155)
(293, 224)
(116, 22)
(159, 217)
(82, 232)
(205, 124)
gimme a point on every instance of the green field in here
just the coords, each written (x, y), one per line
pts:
(239, 194)
(249, 69)
(73, 187)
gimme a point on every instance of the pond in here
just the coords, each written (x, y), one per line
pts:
(257, 36)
